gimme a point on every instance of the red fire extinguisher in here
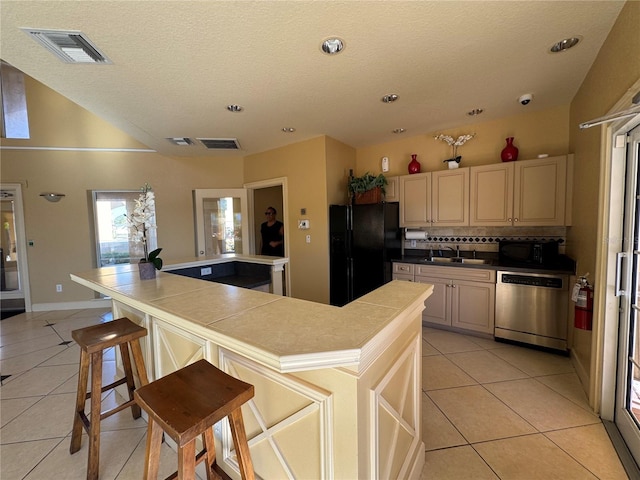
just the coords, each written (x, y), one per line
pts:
(584, 305)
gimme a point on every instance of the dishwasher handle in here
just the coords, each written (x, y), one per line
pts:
(619, 291)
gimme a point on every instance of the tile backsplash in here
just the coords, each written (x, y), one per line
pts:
(484, 239)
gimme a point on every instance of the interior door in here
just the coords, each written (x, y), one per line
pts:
(627, 409)
(14, 272)
(222, 221)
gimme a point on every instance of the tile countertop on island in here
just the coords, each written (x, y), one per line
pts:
(564, 265)
(282, 332)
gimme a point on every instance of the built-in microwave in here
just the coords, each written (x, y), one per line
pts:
(528, 252)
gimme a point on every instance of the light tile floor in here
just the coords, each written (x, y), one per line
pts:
(490, 410)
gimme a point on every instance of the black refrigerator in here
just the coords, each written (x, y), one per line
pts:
(363, 241)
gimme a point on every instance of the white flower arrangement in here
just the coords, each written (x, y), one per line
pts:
(458, 142)
(141, 221)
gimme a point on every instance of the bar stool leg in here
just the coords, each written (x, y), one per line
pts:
(240, 442)
(210, 446)
(187, 461)
(81, 398)
(138, 359)
(131, 386)
(154, 444)
(94, 430)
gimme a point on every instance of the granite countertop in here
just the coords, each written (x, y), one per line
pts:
(564, 265)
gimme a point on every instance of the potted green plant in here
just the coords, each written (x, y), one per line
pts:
(368, 188)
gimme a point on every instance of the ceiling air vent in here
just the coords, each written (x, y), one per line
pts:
(68, 46)
(181, 141)
(220, 143)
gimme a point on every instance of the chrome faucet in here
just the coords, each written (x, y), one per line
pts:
(457, 250)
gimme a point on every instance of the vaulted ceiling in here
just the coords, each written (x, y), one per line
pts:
(177, 65)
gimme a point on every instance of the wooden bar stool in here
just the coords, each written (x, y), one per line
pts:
(92, 342)
(186, 404)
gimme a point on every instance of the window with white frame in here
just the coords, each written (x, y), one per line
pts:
(115, 242)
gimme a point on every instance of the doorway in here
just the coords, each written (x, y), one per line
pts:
(14, 275)
(272, 192)
(627, 398)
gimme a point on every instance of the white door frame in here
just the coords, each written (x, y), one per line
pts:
(604, 355)
(273, 182)
(24, 290)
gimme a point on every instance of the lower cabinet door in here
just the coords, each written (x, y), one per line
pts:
(436, 307)
(473, 306)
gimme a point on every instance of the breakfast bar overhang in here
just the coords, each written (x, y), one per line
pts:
(337, 389)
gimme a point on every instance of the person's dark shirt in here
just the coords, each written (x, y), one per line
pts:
(272, 234)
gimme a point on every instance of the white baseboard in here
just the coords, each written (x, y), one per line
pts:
(46, 307)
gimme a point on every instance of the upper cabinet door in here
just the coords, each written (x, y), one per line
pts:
(540, 192)
(392, 190)
(222, 224)
(491, 191)
(450, 198)
(415, 200)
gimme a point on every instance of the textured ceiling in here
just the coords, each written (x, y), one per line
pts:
(178, 64)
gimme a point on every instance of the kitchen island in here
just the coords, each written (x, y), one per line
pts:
(338, 389)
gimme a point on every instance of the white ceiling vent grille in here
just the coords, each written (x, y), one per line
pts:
(220, 143)
(181, 141)
(68, 46)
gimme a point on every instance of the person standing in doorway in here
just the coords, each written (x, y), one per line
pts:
(272, 233)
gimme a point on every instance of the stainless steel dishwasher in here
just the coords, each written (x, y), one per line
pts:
(532, 308)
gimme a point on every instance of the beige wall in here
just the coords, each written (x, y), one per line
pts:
(303, 164)
(61, 231)
(340, 159)
(614, 71)
(535, 132)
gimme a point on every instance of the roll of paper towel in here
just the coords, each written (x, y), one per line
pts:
(415, 235)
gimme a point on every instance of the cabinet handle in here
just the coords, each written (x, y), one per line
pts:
(515, 220)
(509, 219)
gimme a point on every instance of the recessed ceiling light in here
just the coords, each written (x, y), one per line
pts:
(235, 108)
(475, 111)
(392, 97)
(288, 129)
(398, 130)
(332, 46)
(565, 44)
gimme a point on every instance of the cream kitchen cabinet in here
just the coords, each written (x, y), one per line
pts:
(521, 193)
(435, 198)
(462, 298)
(403, 271)
(392, 190)
(450, 198)
(415, 200)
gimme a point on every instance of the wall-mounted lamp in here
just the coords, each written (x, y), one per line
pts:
(52, 197)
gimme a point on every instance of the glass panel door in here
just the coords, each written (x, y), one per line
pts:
(627, 416)
(14, 281)
(221, 221)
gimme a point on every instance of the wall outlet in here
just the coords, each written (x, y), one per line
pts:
(205, 271)
(308, 239)
(58, 287)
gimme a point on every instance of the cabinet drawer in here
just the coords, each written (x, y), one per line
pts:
(404, 268)
(403, 276)
(456, 273)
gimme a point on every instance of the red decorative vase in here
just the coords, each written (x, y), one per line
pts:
(414, 165)
(510, 152)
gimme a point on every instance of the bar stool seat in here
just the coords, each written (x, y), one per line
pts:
(92, 342)
(186, 404)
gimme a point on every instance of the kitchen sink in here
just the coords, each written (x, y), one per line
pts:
(469, 261)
